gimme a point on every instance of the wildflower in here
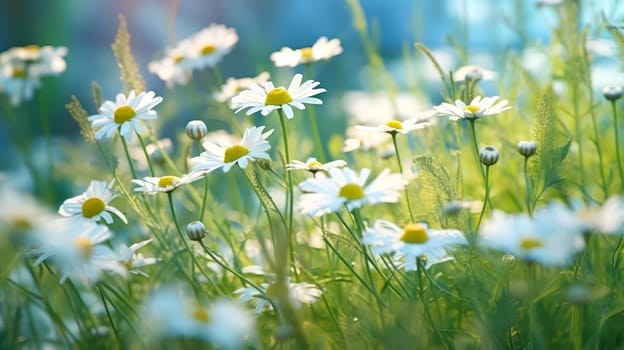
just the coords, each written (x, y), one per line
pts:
(252, 146)
(172, 313)
(209, 45)
(360, 140)
(472, 72)
(21, 69)
(312, 165)
(124, 114)
(196, 130)
(606, 218)
(298, 293)
(133, 260)
(612, 93)
(478, 108)
(323, 49)
(412, 242)
(164, 184)
(22, 216)
(173, 68)
(551, 237)
(395, 126)
(233, 86)
(488, 155)
(195, 231)
(93, 203)
(74, 244)
(527, 148)
(267, 98)
(323, 195)
(365, 108)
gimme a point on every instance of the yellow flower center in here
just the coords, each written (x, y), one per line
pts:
(395, 124)
(234, 153)
(177, 57)
(166, 181)
(123, 114)
(32, 48)
(277, 97)
(307, 53)
(415, 234)
(22, 223)
(314, 165)
(201, 315)
(472, 109)
(19, 73)
(271, 290)
(207, 49)
(92, 206)
(351, 192)
(528, 243)
(84, 246)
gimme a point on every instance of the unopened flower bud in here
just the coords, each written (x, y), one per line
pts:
(475, 74)
(527, 148)
(488, 155)
(195, 231)
(612, 93)
(196, 130)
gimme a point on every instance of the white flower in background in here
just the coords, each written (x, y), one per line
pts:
(133, 260)
(22, 216)
(312, 165)
(552, 237)
(252, 146)
(606, 218)
(471, 72)
(323, 49)
(173, 68)
(298, 293)
(395, 126)
(124, 114)
(154, 151)
(74, 245)
(93, 203)
(365, 108)
(21, 69)
(209, 45)
(412, 241)
(541, 3)
(172, 312)
(357, 140)
(267, 98)
(164, 184)
(602, 47)
(478, 108)
(327, 194)
(233, 86)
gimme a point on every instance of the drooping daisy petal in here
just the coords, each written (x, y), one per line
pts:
(93, 203)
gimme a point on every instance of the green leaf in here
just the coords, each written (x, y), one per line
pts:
(130, 75)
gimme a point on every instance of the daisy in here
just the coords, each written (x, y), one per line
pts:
(411, 242)
(395, 126)
(124, 114)
(323, 194)
(267, 98)
(23, 217)
(471, 72)
(312, 165)
(363, 141)
(93, 203)
(298, 293)
(224, 155)
(210, 44)
(323, 49)
(74, 245)
(164, 184)
(173, 68)
(606, 218)
(477, 108)
(133, 260)
(233, 86)
(366, 108)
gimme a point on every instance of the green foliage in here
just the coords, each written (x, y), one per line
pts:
(437, 184)
(130, 75)
(81, 116)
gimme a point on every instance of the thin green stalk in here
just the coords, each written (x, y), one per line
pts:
(125, 146)
(316, 135)
(617, 143)
(486, 199)
(475, 146)
(605, 189)
(578, 135)
(147, 157)
(527, 182)
(398, 157)
(240, 276)
(110, 318)
(204, 200)
(290, 190)
(421, 293)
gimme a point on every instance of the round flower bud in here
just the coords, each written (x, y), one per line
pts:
(488, 155)
(612, 93)
(527, 148)
(196, 129)
(195, 231)
(475, 74)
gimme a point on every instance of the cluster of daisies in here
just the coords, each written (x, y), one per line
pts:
(22, 68)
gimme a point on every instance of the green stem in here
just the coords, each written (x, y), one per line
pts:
(527, 182)
(110, 318)
(398, 157)
(605, 189)
(421, 293)
(125, 146)
(219, 261)
(203, 207)
(578, 135)
(290, 190)
(316, 135)
(475, 146)
(147, 157)
(486, 199)
(617, 144)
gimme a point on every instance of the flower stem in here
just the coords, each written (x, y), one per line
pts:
(617, 143)
(421, 293)
(289, 189)
(125, 146)
(486, 199)
(398, 157)
(316, 135)
(147, 157)
(527, 182)
(203, 207)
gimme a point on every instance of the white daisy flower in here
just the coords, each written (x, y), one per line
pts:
(471, 72)
(164, 184)
(22, 216)
(323, 49)
(412, 242)
(233, 86)
(265, 99)
(209, 45)
(124, 114)
(173, 68)
(74, 245)
(366, 108)
(552, 237)
(172, 312)
(363, 141)
(22, 67)
(395, 126)
(606, 218)
(224, 155)
(323, 194)
(312, 165)
(133, 260)
(298, 293)
(93, 203)
(478, 108)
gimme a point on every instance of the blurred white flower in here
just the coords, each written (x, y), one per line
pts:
(395, 126)
(133, 260)
(323, 49)
(173, 68)
(470, 72)
(478, 108)
(164, 184)
(233, 86)
(209, 45)
(366, 108)
(312, 165)
(298, 293)
(24, 218)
